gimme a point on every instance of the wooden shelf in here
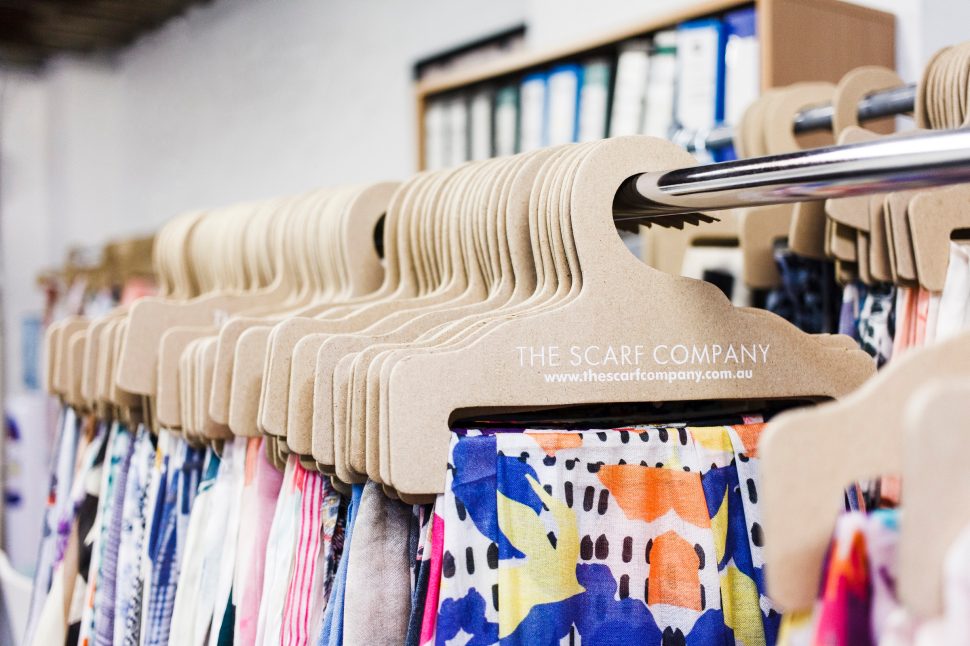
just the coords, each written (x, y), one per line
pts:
(801, 40)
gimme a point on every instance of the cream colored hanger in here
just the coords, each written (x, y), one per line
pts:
(497, 368)
(276, 344)
(52, 342)
(852, 211)
(851, 89)
(281, 230)
(326, 409)
(896, 214)
(318, 355)
(808, 457)
(291, 229)
(670, 244)
(328, 418)
(74, 362)
(60, 339)
(149, 318)
(127, 404)
(807, 234)
(761, 227)
(936, 489)
(370, 414)
(856, 85)
(881, 221)
(94, 389)
(561, 285)
(363, 276)
(362, 433)
(882, 265)
(934, 216)
(410, 285)
(455, 204)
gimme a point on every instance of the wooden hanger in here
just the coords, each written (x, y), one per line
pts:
(759, 227)
(807, 233)
(363, 275)
(851, 89)
(762, 227)
(415, 279)
(808, 457)
(934, 217)
(323, 360)
(359, 377)
(150, 318)
(504, 367)
(936, 489)
(289, 226)
(270, 245)
(342, 450)
(276, 344)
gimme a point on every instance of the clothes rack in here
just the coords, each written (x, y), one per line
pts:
(886, 103)
(920, 161)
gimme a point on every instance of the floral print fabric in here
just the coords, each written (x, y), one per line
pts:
(639, 535)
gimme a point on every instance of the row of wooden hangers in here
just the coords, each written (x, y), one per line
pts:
(897, 237)
(280, 319)
(117, 262)
(909, 420)
(496, 274)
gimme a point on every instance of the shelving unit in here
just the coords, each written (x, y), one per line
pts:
(800, 40)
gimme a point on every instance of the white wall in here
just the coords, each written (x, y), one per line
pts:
(236, 100)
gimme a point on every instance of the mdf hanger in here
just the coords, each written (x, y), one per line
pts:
(373, 390)
(807, 233)
(59, 382)
(149, 318)
(342, 452)
(849, 92)
(74, 362)
(414, 282)
(251, 244)
(936, 489)
(480, 255)
(934, 218)
(276, 344)
(670, 245)
(852, 88)
(791, 364)
(508, 242)
(899, 237)
(763, 226)
(290, 225)
(361, 427)
(332, 437)
(884, 249)
(808, 457)
(363, 275)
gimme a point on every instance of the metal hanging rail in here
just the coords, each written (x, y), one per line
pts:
(885, 103)
(918, 161)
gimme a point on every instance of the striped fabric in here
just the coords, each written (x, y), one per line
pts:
(168, 540)
(111, 530)
(296, 608)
